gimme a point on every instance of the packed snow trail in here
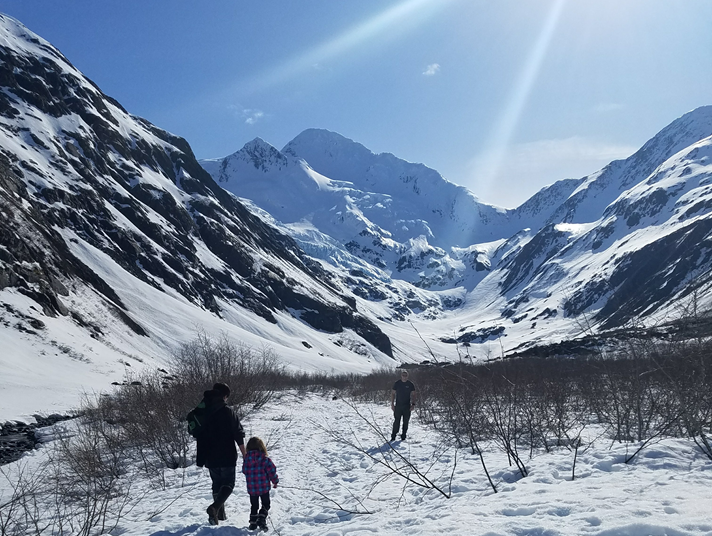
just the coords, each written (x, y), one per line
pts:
(329, 488)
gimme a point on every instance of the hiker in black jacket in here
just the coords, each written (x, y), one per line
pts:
(216, 448)
(402, 404)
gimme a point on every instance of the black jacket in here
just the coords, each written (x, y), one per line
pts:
(216, 447)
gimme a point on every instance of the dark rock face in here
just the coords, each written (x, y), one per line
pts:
(542, 247)
(29, 240)
(137, 194)
(467, 336)
(644, 278)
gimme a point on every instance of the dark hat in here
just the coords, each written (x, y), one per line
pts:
(222, 389)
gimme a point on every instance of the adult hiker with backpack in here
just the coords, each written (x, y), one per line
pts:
(217, 428)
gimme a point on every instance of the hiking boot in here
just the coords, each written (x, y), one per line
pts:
(393, 438)
(212, 514)
(253, 523)
(403, 437)
(221, 513)
(262, 520)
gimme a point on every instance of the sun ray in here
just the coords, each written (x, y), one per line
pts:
(489, 166)
(411, 12)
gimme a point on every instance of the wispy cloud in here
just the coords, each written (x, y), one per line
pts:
(527, 167)
(252, 116)
(249, 115)
(432, 69)
(407, 13)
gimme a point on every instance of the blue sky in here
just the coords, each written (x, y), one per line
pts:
(500, 96)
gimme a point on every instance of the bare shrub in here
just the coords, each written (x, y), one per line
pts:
(456, 405)
(392, 460)
(150, 414)
(251, 375)
(89, 480)
(85, 487)
(149, 409)
(20, 511)
(82, 488)
(641, 393)
(374, 387)
(685, 370)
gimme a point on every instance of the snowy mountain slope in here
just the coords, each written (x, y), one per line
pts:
(667, 225)
(604, 250)
(458, 219)
(453, 214)
(646, 255)
(117, 245)
(110, 225)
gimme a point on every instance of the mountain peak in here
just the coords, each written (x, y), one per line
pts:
(261, 155)
(330, 144)
(12, 28)
(699, 113)
(322, 135)
(16, 36)
(258, 142)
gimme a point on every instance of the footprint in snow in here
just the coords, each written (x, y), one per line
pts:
(670, 510)
(525, 511)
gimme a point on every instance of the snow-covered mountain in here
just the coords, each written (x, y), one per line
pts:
(401, 217)
(117, 246)
(381, 209)
(616, 246)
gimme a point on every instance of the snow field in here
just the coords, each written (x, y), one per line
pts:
(327, 486)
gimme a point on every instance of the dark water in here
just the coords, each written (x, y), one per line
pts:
(17, 437)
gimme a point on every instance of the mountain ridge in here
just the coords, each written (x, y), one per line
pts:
(534, 239)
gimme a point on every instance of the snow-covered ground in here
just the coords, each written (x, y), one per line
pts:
(328, 488)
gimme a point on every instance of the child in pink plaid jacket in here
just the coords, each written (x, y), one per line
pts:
(259, 472)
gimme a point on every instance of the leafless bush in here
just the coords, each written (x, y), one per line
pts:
(252, 375)
(392, 460)
(85, 486)
(456, 405)
(82, 488)
(149, 410)
(640, 394)
(685, 370)
(150, 414)
(374, 387)
(90, 478)
(20, 510)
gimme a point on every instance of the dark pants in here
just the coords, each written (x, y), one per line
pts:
(255, 504)
(400, 411)
(223, 483)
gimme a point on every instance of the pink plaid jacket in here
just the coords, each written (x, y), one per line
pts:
(259, 471)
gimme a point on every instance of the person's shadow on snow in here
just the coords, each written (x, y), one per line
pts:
(206, 530)
(383, 448)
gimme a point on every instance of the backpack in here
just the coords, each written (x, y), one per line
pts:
(197, 419)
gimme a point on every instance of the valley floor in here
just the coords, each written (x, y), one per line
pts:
(328, 488)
